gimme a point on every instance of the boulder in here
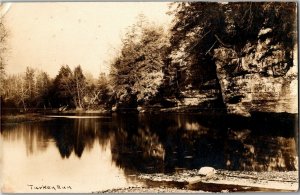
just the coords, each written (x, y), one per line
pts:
(206, 171)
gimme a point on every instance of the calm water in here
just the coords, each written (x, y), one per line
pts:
(85, 154)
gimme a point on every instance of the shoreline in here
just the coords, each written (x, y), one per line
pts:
(10, 119)
(15, 118)
(189, 181)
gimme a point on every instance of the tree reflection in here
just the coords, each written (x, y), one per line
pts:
(134, 148)
(34, 138)
(78, 134)
(167, 142)
(193, 141)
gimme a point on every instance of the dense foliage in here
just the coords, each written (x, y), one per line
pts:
(137, 73)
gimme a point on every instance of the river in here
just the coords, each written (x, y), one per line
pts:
(86, 153)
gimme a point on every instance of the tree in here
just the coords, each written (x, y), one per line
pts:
(15, 93)
(103, 90)
(43, 85)
(90, 94)
(192, 36)
(27, 90)
(62, 90)
(3, 37)
(69, 87)
(80, 86)
(29, 82)
(136, 74)
(97, 91)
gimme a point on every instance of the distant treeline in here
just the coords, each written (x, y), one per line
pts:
(69, 89)
(155, 65)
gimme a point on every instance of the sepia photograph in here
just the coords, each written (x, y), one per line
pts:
(149, 97)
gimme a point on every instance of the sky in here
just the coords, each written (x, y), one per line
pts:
(47, 35)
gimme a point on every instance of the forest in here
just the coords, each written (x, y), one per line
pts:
(207, 46)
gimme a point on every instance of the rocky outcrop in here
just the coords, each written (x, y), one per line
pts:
(261, 77)
(190, 100)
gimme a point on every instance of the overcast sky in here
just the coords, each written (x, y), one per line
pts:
(48, 35)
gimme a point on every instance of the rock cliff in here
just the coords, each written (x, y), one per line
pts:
(262, 76)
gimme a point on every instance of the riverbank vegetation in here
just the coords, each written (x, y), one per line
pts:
(159, 68)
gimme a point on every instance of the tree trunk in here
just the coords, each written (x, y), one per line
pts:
(78, 94)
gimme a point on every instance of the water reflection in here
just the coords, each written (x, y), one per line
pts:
(165, 143)
(61, 152)
(69, 135)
